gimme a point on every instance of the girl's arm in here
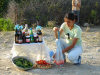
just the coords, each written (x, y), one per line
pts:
(61, 31)
(79, 3)
(71, 46)
(55, 29)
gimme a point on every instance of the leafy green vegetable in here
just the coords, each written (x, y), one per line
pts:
(22, 62)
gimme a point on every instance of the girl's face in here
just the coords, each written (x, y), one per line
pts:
(69, 22)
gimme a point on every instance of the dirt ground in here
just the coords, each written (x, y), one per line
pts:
(90, 57)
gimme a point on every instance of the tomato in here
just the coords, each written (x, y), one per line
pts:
(42, 62)
(37, 62)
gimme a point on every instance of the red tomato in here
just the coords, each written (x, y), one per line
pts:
(37, 62)
(44, 62)
(40, 62)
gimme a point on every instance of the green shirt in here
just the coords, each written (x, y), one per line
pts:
(74, 33)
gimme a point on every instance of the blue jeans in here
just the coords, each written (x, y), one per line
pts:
(77, 12)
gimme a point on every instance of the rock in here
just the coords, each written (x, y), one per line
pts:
(7, 68)
(86, 25)
(99, 50)
(5, 41)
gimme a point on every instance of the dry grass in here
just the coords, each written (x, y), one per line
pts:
(90, 57)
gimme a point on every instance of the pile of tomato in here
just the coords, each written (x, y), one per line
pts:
(42, 62)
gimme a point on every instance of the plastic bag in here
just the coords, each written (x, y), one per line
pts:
(59, 59)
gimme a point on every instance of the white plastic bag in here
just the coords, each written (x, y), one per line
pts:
(59, 59)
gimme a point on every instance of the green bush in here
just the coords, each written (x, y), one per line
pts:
(6, 25)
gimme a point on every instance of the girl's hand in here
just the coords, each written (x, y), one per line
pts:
(55, 29)
(63, 51)
(54, 55)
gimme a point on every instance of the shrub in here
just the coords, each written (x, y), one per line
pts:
(6, 25)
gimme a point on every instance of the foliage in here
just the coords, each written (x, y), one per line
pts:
(6, 24)
(3, 7)
(29, 11)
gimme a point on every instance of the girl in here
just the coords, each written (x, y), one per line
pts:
(73, 44)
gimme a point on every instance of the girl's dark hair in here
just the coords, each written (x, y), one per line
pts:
(70, 16)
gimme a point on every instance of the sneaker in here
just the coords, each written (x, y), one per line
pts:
(79, 61)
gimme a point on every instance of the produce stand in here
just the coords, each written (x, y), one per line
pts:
(33, 51)
(29, 44)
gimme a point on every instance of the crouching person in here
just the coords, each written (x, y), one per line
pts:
(73, 43)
